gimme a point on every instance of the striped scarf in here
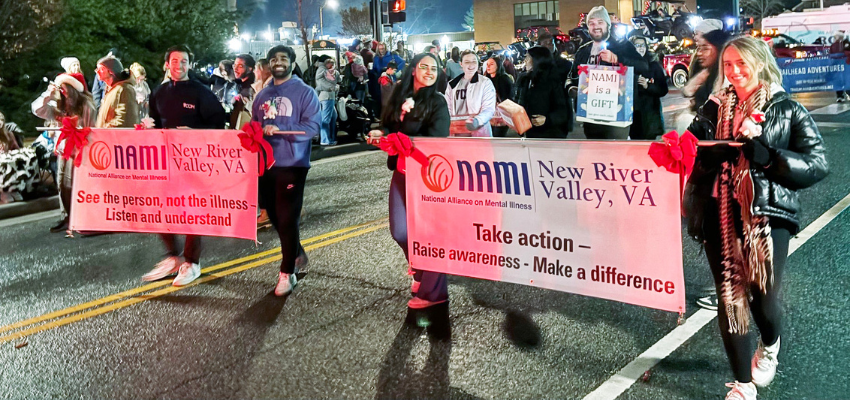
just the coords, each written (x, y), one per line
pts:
(747, 260)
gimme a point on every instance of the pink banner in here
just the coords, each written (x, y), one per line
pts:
(591, 218)
(199, 182)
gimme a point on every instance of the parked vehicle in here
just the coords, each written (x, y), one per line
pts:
(658, 23)
(811, 25)
(785, 46)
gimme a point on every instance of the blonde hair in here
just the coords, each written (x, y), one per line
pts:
(754, 52)
(138, 69)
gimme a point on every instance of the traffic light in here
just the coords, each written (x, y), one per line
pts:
(397, 13)
(397, 5)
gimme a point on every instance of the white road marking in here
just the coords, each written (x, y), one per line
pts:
(832, 109)
(623, 379)
(833, 124)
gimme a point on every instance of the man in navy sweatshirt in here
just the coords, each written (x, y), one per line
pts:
(183, 102)
(287, 105)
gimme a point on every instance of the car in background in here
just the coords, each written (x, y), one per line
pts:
(785, 46)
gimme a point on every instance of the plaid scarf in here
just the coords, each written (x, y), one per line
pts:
(747, 258)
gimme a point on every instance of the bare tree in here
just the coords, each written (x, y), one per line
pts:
(303, 30)
(759, 9)
(356, 21)
(25, 24)
(421, 17)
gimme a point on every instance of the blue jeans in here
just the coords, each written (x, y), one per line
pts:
(433, 286)
(328, 122)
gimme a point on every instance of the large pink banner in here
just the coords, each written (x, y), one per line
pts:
(199, 182)
(593, 218)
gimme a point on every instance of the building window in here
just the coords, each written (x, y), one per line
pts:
(536, 13)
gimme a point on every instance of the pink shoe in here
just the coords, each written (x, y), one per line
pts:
(417, 303)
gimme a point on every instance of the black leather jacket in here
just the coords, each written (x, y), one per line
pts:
(797, 160)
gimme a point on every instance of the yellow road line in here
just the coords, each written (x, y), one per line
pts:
(151, 286)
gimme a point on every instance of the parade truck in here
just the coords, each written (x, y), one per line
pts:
(811, 26)
(785, 46)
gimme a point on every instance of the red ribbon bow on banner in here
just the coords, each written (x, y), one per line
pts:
(676, 154)
(399, 144)
(623, 69)
(75, 139)
(757, 116)
(583, 69)
(252, 140)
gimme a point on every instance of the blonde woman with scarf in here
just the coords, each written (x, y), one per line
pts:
(742, 202)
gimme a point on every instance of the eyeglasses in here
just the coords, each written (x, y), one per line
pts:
(426, 67)
(640, 46)
(703, 49)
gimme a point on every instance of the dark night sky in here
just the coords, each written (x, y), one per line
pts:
(447, 17)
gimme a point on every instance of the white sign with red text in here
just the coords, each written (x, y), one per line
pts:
(593, 218)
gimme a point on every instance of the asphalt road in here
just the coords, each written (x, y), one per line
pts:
(77, 322)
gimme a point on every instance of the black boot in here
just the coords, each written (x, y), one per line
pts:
(60, 226)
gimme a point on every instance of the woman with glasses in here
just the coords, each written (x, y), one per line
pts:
(471, 98)
(415, 108)
(742, 202)
(648, 118)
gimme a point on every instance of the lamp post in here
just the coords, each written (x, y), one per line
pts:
(330, 3)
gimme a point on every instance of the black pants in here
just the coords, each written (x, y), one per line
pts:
(765, 307)
(599, 131)
(499, 131)
(282, 193)
(191, 249)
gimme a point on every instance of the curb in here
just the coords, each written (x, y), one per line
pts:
(20, 208)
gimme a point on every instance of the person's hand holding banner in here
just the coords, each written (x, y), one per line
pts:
(76, 139)
(676, 154)
(252, 140)
(399, 144)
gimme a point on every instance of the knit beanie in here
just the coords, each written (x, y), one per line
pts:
(112, 64)
(599, 12)
(708, 25)
(76, 81)
(67, 61)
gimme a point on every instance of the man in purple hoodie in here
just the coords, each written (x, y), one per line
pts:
(286, 105)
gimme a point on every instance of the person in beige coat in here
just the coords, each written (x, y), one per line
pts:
(119, 108)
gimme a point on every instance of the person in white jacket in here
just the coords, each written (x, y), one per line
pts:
(472, 95)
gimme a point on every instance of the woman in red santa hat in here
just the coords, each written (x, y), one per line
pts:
(65, 97)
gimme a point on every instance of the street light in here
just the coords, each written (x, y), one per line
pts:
(268, 36)
(330, 3)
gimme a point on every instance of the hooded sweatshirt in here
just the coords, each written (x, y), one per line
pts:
(291, 106)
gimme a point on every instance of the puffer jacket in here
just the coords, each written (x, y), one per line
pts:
(797, 161)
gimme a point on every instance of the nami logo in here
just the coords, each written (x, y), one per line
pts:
(99, 156)
(438, 175)
(130, 157)
(477, 176)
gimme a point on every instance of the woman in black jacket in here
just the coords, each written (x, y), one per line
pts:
(542, 97)
(648, 118)
(741, 202)
(504, 83)
(415, 108)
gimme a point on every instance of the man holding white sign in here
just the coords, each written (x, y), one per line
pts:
(602, 51)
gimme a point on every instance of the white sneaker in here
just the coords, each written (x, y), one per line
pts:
(764, 363)
(285, 284)
(166, 267)
(741, 391)
(188, 273)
